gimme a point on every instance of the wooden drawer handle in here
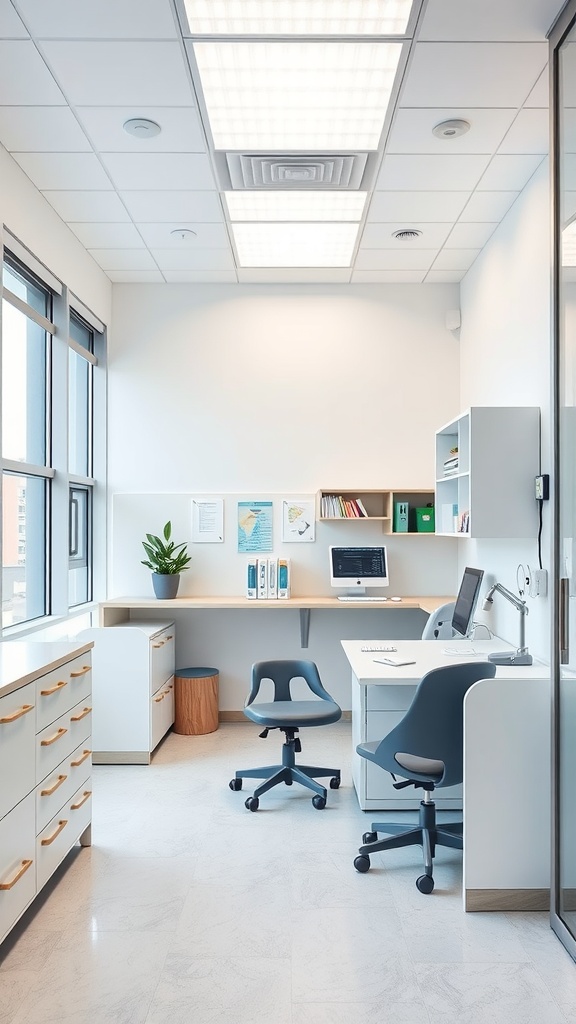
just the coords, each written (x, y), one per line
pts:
(169, 638)
(53, 689)
(57, 735)
(47, 842)
(17, 714)
(85, 796)
(52, 789)
(161, 697)
(161, 644)
(4, 886)
(85, 754)
(82, 714)
(80, 672)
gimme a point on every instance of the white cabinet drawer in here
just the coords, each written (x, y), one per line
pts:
(60, 738)
(162, 658)
(60, 834)
(17, 863)
(161, 712)
(62, 689)
(61, 784)
(389, 698)
(17, 746)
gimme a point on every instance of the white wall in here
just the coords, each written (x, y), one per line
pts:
(261, 390)
(505, 353)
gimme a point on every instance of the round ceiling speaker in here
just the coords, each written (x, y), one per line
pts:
(451, 129)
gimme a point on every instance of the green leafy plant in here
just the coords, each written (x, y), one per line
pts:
(165, 557)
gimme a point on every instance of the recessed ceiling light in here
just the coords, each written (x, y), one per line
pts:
(300, 17)
(141, 128)
(451, 129)
(296, 206)
(295, 245)
(406, 234)
(184, 234)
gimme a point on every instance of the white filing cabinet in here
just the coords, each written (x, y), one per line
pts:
(45, 765)
(133, 681)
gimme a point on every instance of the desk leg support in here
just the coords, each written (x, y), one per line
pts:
(304, 626)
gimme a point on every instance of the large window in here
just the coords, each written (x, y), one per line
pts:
(80, 390)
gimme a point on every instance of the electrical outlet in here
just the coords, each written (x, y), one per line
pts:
(542, 487)
(538, 583)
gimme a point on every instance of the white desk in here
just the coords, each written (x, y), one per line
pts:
(506, 789)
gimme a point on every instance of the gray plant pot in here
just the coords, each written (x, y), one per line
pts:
(165, 585)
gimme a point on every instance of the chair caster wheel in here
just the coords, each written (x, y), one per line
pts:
(335, 783)
(252, 803)
(235, 785)
(369, 837)
(362, 863)
(425, 884)
(288, 782)
(319, 802)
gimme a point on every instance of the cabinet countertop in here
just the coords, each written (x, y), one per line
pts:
(22, 661)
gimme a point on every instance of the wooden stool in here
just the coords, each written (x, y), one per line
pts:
(195, 701)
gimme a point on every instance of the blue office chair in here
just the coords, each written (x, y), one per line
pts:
(425, 749)
(289, 716)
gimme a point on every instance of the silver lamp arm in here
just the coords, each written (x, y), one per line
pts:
(521, 657)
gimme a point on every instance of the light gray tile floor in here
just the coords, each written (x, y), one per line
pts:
(189, 909)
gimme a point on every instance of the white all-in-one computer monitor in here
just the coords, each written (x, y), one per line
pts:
(463, 614)
(356, 568)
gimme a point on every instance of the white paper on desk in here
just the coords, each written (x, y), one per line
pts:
(208, 520)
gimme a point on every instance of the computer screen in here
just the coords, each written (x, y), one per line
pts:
(466, 600)
(358, 567)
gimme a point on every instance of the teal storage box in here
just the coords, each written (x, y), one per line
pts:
(425, 522)
(400, 517)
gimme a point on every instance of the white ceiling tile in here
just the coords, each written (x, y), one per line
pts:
(159, 170)
(85, 206)
(200, 276)
(412, 130)
(157, 236)
(489, 20)
(206, 259)
(392, 259)
(41, 129)
(123, 259)
(106, 19)
(380, 235)
(508, 172)
(24, 77)
(472, 74)
(136, 276)
(11, 26)
(470, 236)
(181, 129)
(487, 206)
(528, 134)
(417, 206)
(63, 170)
(455, 259)
(444, 173)
(153, 207)
(120, 74)
(444, 276)
(540, 94)
(107, 236)
(388, 276)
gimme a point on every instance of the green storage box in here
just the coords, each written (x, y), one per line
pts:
(425, 520)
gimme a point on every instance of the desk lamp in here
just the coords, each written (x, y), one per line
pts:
(521, 656)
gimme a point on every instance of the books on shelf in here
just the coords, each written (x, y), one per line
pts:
(336, 506)
(450, 465)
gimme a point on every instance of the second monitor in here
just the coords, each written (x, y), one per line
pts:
(357, 568)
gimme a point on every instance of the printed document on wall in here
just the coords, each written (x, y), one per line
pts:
(208, 520)
(255, 526)
(298, 520)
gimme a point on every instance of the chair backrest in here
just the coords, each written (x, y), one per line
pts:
(439, 625)
(282, 673)
(433, 724)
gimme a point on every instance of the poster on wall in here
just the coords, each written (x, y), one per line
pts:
(255, 526)
(298, 520)
(208, 520)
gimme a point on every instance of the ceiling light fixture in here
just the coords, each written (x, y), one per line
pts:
(295, 206)
(184, 234)
(141, 128)
(406, 234)
(451, 129)
(298, 17)
(295, 245)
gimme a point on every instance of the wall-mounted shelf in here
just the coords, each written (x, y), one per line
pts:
(337, 505)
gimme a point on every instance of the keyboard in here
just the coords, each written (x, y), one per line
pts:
(358, 597)
(377, 648)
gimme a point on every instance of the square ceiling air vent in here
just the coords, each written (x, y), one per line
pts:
(298, 170)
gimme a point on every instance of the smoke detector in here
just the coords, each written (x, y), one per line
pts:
(406, 234)
(183, 234)
(141, 128)
(451, 129)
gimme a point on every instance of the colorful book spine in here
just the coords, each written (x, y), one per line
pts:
(283, 578)
(252, 578)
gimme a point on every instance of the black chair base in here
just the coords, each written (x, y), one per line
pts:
(427, 834)
(288, 772)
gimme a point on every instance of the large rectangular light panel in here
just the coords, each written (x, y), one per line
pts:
(295, 206)
(298, 17)
(569, 245)
(295, 245)
(297, 96)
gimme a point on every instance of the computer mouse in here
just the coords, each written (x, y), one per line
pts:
(395, 598)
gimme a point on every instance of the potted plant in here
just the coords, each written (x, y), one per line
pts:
(166, 560)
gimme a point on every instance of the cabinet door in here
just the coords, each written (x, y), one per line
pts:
(17, 745)
(17, 863)
(162, 658)
(61, 689)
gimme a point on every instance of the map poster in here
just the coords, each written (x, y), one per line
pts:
(298, 520)
(255, 526)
